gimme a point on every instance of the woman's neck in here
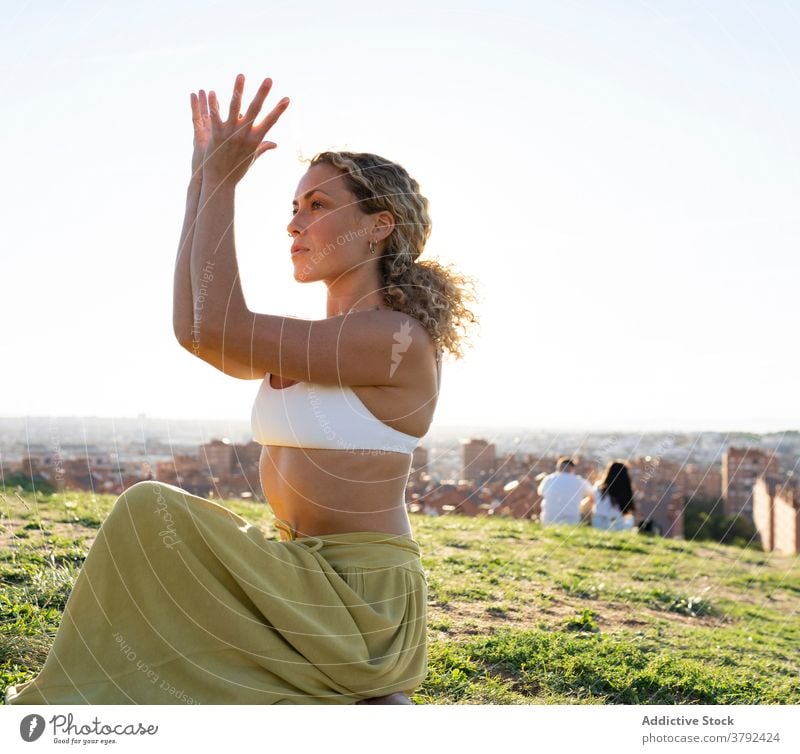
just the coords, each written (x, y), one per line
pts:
(335, 310)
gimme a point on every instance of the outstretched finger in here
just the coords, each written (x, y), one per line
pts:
(213, 111)
(236, 99)
(258, 100)
(269, 121)
(203, 103)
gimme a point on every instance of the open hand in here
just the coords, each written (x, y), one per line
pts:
(234, 145)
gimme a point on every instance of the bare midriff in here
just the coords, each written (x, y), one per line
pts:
(324, 491)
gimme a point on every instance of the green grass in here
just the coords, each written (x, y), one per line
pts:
(517, 613)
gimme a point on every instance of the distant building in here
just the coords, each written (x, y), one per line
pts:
(518, 498)
(419, 465)
(480, 461)
(92, 469)
(217, 456)
(776, 513)
(741, 467)
(702, 481)
(184, 471)
(658, 494)
(448, 499)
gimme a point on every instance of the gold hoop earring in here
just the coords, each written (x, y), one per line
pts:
(372, 247)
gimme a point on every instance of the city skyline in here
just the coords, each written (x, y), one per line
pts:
(750, 490)
(439, 426)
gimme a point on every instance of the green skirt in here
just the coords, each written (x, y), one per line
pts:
(182, 601)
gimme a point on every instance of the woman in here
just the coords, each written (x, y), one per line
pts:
(182, 601)
(613, 505)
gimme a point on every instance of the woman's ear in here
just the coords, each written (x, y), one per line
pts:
(384, 225)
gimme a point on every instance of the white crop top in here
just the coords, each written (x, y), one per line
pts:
(308, 415)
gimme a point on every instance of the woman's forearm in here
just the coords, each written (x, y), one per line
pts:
(182, 299)
(217, 291)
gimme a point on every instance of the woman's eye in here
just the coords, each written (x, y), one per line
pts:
(294, 211)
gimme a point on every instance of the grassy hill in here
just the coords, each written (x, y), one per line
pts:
(518, 614)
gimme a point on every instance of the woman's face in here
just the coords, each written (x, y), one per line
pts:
(327, 222)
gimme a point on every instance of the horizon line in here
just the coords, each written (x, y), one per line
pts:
(461, 426)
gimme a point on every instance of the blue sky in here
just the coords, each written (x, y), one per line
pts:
(621, 177)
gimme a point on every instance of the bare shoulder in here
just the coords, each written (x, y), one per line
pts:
(405, 330)
(382, 347)
(409, 336)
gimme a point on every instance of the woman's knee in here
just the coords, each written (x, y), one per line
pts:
(149, 504)
(144, 498)
(145, 490)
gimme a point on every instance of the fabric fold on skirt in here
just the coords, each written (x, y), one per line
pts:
(182, 601)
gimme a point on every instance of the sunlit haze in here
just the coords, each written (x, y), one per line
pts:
(620, 177)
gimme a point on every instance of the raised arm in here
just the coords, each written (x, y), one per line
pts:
(182, 315)
(182, 298)
(233, 146)
(189, 298)
(217, 296)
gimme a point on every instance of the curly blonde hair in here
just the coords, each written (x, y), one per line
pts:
(432, 293)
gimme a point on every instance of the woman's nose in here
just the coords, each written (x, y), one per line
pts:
(293, 226)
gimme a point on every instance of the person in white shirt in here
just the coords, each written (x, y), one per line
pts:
(562, 492)
(613, 506)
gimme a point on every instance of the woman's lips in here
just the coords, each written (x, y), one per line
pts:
(298, 251)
